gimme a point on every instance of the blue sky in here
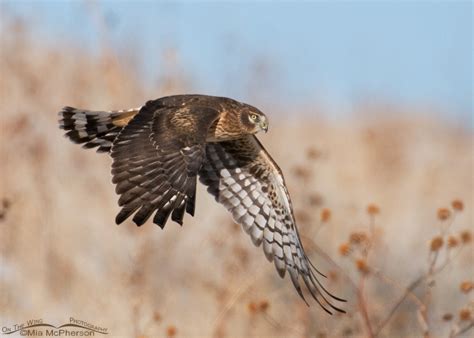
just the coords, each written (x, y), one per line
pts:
(333, 52)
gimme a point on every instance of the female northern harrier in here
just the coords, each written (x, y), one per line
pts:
(158, 151)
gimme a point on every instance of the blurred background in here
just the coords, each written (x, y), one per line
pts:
(371, 120)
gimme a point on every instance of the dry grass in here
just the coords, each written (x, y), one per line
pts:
(404, 265)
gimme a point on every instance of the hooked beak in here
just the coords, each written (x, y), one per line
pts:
(264, 126)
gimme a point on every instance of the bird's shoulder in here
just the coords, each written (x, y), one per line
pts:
(191, 101)
(250, 151)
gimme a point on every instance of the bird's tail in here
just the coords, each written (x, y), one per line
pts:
(94, 128)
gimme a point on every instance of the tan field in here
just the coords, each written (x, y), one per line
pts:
(383, 200)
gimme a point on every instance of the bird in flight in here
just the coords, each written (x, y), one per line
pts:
(159, 150)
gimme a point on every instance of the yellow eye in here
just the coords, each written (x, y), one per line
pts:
(253, 117)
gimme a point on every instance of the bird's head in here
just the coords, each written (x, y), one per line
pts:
(253, 120)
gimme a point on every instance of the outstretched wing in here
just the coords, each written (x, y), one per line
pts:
(244, 178)
(156, 158)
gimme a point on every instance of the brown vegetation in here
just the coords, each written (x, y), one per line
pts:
(404, 265)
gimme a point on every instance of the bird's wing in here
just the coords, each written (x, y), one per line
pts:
(156, 158)
(244, 178)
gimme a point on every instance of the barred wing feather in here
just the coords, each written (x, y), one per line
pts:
(243, 177)
(156, 162)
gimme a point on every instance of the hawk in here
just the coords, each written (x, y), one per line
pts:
(159, 150)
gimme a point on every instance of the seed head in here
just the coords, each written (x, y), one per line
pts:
(465, 314)
(436, 243)
(344, 249)
(466, 236)
(301, 172)
(302, 216)
(156, 316)
(362, 266)
(263, 305)
(6, 203)
(252, 307)
(313, 153)
(358, 237)
(171, 331)
(457, 205)
(325, 215)
(333, 275)
(447, 317)
(373, 209)
(443, 214)
(452, 241)
(315, 199)
(466, 286)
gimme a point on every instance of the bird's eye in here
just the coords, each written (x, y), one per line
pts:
(253, 117)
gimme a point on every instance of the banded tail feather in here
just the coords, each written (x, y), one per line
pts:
(94, 128)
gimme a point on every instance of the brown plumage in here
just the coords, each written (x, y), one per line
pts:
(159, 150)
